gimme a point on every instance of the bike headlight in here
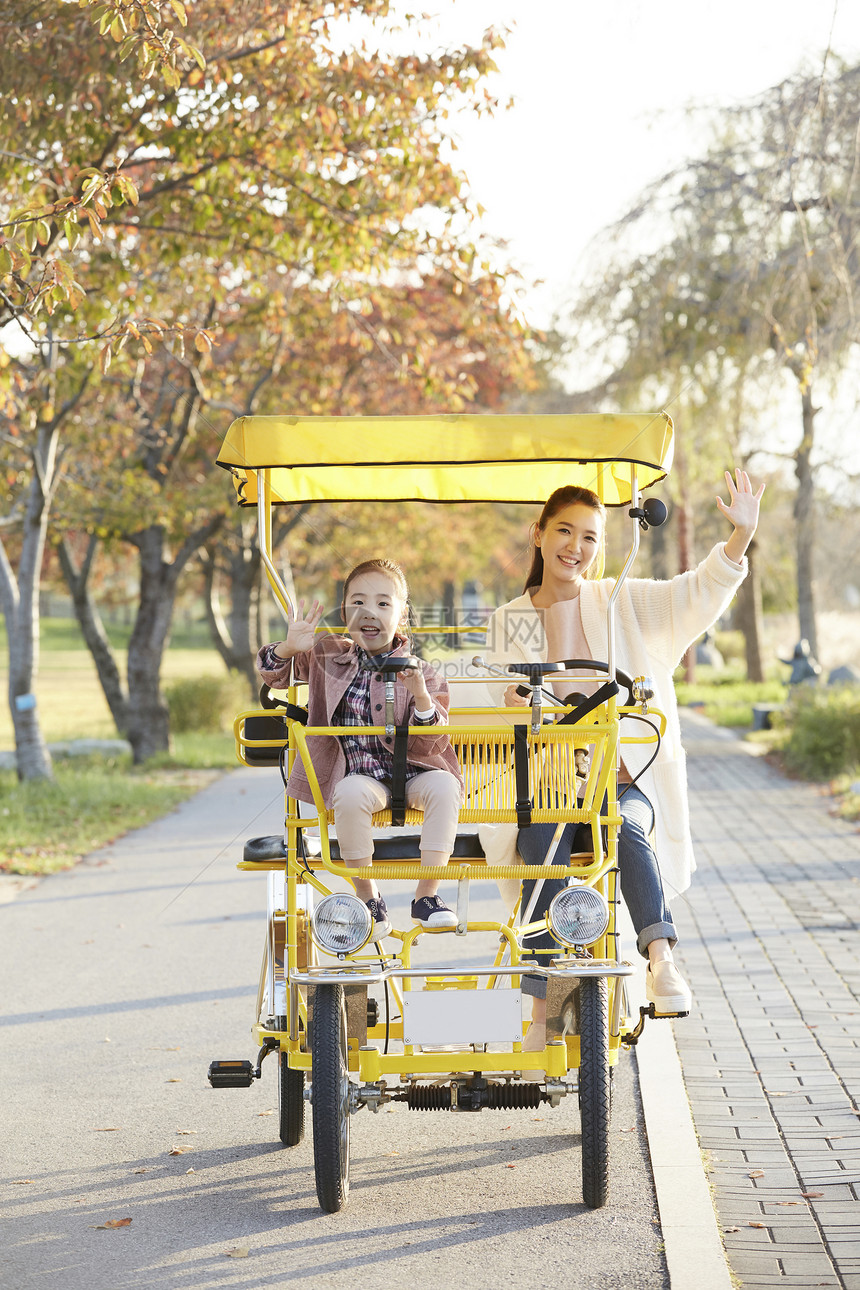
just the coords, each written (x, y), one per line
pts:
(578, 915)
(341, 923)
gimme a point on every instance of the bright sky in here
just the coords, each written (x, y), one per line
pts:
(602, 89)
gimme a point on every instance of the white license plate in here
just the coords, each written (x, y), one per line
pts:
(462, 1016)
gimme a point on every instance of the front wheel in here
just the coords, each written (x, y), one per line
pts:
(594, 1089)
(330, 1097)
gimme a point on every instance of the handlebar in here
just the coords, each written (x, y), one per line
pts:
(536, 671)
(387, 666)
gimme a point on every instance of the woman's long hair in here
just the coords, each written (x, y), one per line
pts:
(567, 495)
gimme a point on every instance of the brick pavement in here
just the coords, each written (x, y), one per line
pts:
(771, 1050)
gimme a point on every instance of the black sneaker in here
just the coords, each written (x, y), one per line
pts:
(379, 914)
(431, 913)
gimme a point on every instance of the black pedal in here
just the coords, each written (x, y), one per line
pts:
(372, 1012)
(231, 1074)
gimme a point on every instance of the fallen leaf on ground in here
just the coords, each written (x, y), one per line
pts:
(265, 1112)
(812, 1195)
(142, 1171)
(113, 1222)
(21, 1182)
(191, 1171)
(178, 1151)
(186, 1133)
(537, 1117)
(756, 1173)
(788, 1202)
(731, 1229)
(756, 1224)
(392, 1153)
(173, 1081)
(239, 1252)
(507, 1126)
(111, 1128)
(510, 1166)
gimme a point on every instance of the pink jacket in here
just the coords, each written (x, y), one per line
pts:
(328, 669)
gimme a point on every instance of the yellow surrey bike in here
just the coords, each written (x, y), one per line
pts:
(364, 1024)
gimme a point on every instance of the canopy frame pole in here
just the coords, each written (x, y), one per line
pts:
(264, 539)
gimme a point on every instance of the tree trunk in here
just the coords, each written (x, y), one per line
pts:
(232, 637)
(659, 552)
(148, 719)
(20, 600)
(748, 616)
(804, 516)
(92, 627)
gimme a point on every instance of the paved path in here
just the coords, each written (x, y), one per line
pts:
(122, 978)
(771, 1052)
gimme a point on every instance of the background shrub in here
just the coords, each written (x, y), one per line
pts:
(206, 703)
(823, 724)
(731, 646)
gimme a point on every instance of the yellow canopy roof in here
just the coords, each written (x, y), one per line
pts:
(450, 458)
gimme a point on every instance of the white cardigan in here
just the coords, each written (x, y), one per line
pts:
(655, 623)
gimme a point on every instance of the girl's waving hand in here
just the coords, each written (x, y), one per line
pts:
(300, 630)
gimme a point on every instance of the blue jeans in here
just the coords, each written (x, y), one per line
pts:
(641, 884)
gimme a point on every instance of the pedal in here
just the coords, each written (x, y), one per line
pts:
(231, 1074)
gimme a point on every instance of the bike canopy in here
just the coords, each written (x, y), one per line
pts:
(446, 458)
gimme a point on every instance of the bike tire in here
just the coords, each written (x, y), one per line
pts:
(291, 1103)
(330, 1097)
(594, 1089)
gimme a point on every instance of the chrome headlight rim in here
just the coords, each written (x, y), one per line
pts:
(596, 908)
(360, 925)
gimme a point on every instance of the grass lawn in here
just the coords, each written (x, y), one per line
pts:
(49, 826)
(727, 697)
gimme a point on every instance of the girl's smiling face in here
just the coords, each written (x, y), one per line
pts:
(570, 542)
(373, 610)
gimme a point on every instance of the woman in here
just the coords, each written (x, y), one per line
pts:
(562, 615)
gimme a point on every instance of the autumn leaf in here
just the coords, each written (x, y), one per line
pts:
(812, 1195)
(111, 1128)
(756, 1173)
(178, 1151)
(756, 1224)
(113, 1222)
(22, 1182)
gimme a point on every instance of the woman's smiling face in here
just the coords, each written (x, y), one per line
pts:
(570, 542)
(373, 611)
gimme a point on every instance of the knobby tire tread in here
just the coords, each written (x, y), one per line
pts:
(594, 1090)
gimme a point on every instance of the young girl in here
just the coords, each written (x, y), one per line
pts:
(562, 614)
(354, 772)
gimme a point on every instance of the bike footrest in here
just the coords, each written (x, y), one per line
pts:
(231, 1074)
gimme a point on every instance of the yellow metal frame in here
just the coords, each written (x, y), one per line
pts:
(552, 774)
